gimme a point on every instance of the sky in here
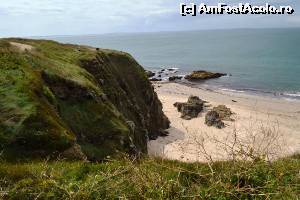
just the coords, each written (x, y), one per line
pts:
(79, 17)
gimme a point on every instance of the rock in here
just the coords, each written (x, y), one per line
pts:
(178, 105)
(212, 118)
(224, 112)
(149, 73)
(234, 101)
(173, 78)
(155, 79)
(216, 115)
(74, 153)
(203, 75)
(191, 109)
(195, 100)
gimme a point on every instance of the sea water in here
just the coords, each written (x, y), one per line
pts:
(265, 61)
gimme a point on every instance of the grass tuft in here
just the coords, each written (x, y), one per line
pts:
(150, 178)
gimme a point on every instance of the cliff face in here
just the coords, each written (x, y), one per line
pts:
(74, 101)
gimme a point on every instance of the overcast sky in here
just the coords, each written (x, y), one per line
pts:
(75, 17)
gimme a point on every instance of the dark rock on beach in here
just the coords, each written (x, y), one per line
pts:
(155, 79)
(203, 75)
(191, 109)
(174, 78)
(212, 118)
(224, 112)
(216, 116)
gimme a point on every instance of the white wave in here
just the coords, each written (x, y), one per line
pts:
(173, 69)
(165, 78)
(291, 99)
(231, 90)
(296, 94)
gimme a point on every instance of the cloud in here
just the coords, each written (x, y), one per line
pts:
(36, 17)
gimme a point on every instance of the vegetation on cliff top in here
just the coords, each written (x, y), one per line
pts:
(62, 99)
(151, 179)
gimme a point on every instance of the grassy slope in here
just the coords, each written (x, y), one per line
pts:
(55, 96)
(49, 102)
(151, 179)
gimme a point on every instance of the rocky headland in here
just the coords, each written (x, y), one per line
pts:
(78, 102)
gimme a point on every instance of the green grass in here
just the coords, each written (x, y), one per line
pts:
(151, 179)
(35, 119)
(54, 95)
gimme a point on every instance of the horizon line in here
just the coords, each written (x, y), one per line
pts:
(149, 32)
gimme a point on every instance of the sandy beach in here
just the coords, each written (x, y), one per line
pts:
(262, 126)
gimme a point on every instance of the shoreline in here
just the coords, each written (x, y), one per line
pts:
(165, 73)
(277, 118)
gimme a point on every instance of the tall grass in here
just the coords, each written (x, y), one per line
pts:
(151, 178)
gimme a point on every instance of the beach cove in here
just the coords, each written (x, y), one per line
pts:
(263, 125)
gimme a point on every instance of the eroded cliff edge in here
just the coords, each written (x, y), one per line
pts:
(74, 101)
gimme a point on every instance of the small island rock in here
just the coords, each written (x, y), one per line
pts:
(203, 75)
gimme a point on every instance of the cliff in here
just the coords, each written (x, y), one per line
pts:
(74, 101)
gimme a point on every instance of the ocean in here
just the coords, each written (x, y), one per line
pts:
(260, 61)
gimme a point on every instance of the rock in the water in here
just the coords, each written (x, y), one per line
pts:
(224, 112)
(203, 75)
(173, 78)
(191, 109)
(155, 79)
(212, 118)
(149, 73)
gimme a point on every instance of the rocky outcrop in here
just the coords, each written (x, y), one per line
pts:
(224, 112)
(217, 115)
(75, 102)
(149, 74)
(212, 118)
(191, 108)
(203, 75)
(155, 79)
(163, 74)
